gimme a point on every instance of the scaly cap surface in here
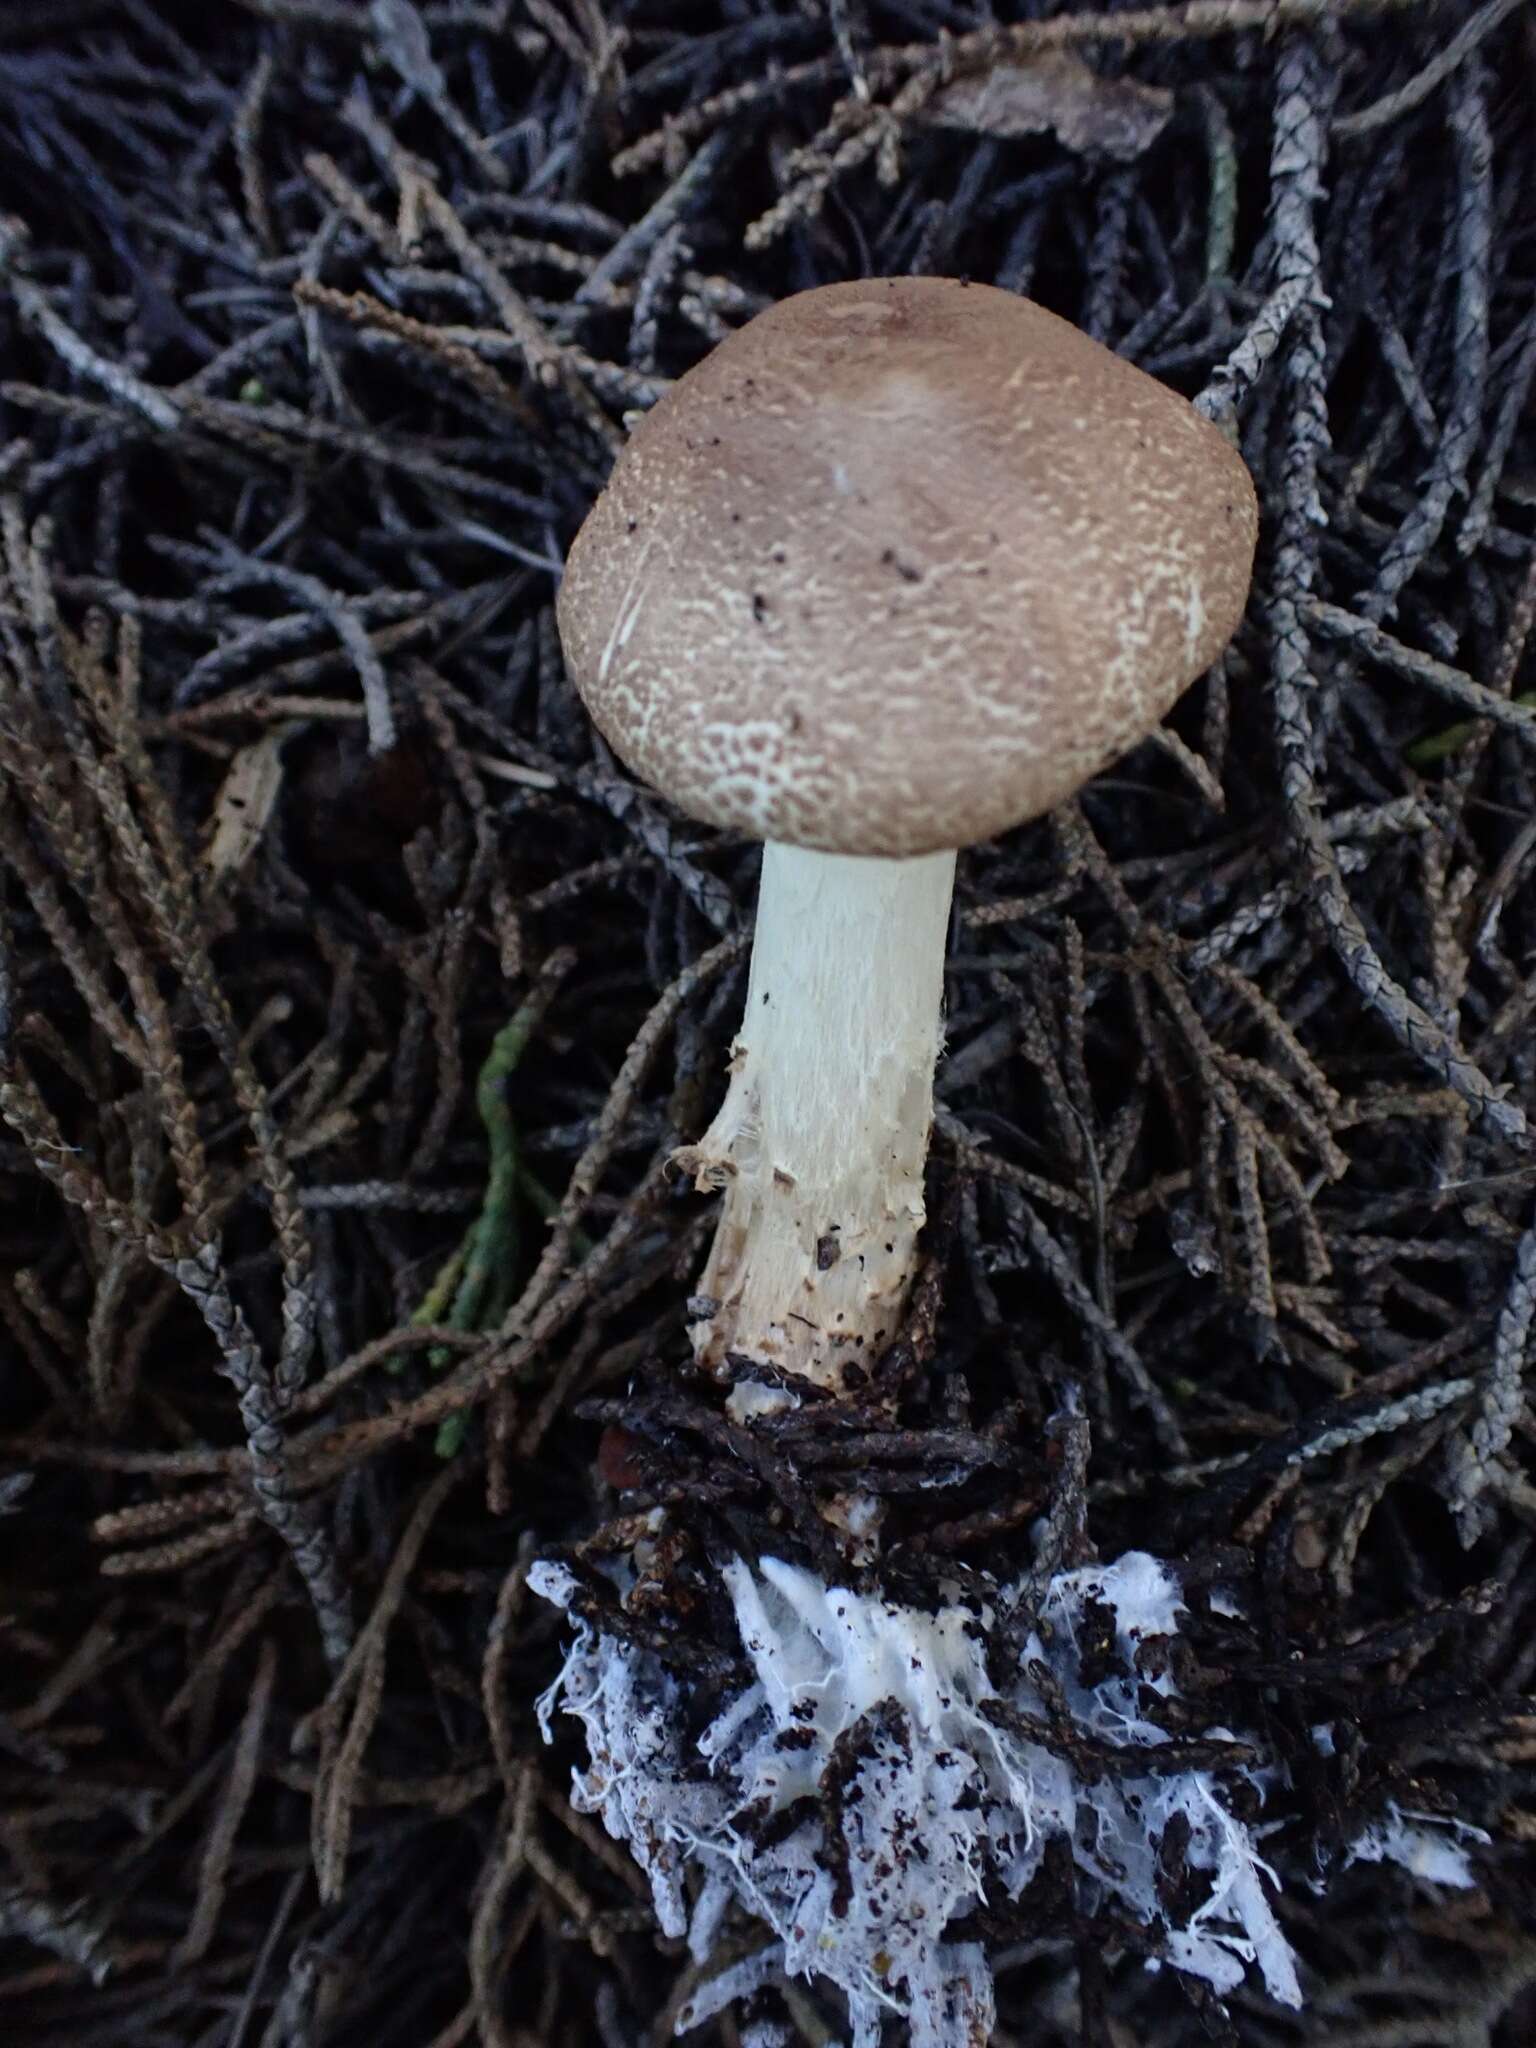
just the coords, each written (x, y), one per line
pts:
(900, 564)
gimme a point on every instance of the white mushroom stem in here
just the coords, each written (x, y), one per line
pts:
(820, 1143)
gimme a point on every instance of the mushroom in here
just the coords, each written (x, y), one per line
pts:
(901, 564)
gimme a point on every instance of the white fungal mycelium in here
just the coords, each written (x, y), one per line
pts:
(889, 1718)
(1427, 1845)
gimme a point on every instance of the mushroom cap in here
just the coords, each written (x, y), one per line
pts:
(900, 564)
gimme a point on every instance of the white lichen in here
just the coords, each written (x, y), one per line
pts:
(873, 1785)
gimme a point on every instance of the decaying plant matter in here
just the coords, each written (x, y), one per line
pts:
(352, 1002)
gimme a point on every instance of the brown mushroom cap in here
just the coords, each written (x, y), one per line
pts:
(900, 564)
